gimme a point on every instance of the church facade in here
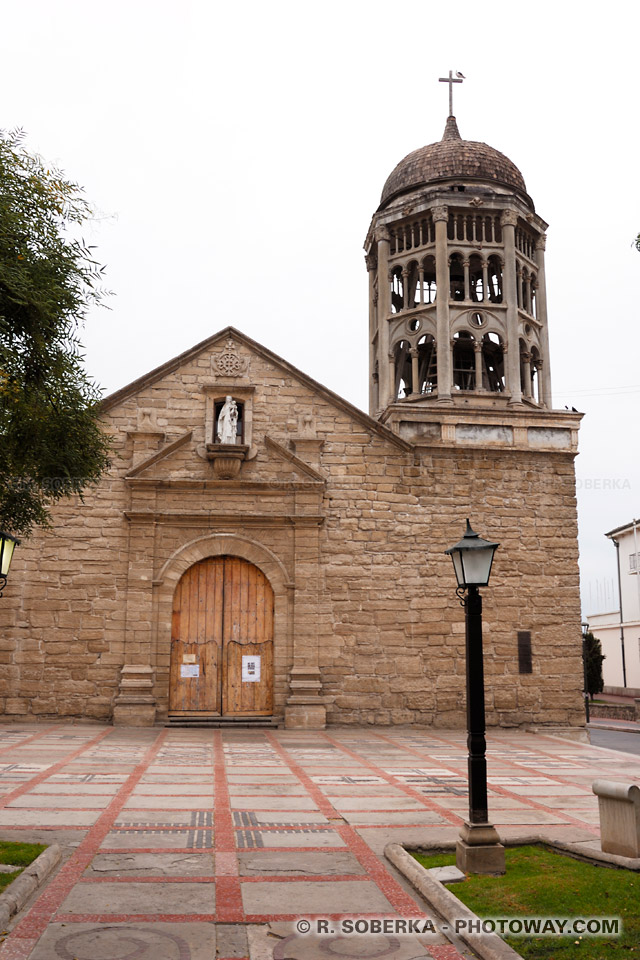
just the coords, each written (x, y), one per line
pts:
(262, 549)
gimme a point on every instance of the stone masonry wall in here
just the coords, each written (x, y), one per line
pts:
(365, 589)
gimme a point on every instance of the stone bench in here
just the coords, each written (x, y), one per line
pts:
(619, 807)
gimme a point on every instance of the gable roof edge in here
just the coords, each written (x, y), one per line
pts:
(170, 365)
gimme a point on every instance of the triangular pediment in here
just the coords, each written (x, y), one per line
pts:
(215, 346)
(184, 460)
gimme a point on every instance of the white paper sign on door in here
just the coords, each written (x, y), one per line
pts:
(189, 669)
(250, 669)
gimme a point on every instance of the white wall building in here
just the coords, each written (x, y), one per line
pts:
(619, 630)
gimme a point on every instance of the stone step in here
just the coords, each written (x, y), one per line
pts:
(226, 723)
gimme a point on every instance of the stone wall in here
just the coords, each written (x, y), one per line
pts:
(348, 522)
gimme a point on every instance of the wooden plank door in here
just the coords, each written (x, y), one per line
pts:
(196, 640)
(222, 640)
(248, 641)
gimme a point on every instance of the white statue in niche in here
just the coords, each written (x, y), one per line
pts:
(228, 422)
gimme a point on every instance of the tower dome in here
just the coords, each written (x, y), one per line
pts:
(453, 158)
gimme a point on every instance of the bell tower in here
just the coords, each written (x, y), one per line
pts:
(457, 300)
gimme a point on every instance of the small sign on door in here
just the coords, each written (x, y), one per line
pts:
(189, 669)
(250, 669)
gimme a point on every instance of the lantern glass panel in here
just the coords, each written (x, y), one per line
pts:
(477, 566)
(6, 553)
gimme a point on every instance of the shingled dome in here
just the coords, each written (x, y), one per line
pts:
(452, 158)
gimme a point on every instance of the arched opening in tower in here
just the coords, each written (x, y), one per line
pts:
(494, 279)
(402, 362)
(476, 278)
(397, 290)
(493, 363)
(427, 364)
(536, 392)
(421, 282)
(415, 367)
(464, 364)
(534, 296)
(456, 278)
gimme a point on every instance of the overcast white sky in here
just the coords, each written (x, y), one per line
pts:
(236, 152)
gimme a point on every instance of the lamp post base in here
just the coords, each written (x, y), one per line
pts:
(479, 850)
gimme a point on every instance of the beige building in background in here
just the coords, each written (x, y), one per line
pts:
(299, 574)
(619, 630)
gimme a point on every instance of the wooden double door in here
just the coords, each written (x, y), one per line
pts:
(222, 640)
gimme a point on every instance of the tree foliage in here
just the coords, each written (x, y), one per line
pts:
(592, 653)
(51, 441)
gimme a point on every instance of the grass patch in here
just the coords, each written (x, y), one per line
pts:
(18, 855)
(541, 882)
(429, 860)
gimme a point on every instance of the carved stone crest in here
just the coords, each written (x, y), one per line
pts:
(440, 213)
(228, 363)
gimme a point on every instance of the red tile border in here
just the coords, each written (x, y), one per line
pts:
(375, 870)
(45, 774)
(229, 906)
(501, 791)
(428, 802)
(40, 915)
(36, 736)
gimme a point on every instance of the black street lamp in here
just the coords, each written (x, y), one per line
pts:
(479, 849)
(7, 545)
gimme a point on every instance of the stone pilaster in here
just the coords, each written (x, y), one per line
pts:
(541, 316)
(135, 705)
(305, 707)
(509, 220)
(384, 311)
(445, 368)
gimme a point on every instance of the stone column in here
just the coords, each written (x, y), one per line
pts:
(477, 348)
(541, 305)
(509, 220)
(540, 368)
(415, 373)
(485, 280)
(445, 373)
(391, 386)
(405, 289)
(384, 311)
(467, 286)
(526, 362)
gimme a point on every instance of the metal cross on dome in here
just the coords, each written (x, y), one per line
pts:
(459, 77)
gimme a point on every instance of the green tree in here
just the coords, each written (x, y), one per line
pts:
(51, 441)
(593, 656)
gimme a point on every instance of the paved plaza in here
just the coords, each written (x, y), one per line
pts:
(202, 844)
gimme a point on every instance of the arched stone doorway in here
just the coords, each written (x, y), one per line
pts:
(222, 640)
